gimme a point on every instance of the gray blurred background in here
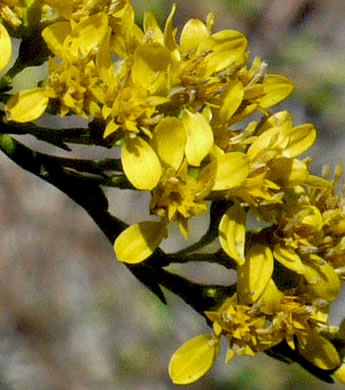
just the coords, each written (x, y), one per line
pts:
(71, 316)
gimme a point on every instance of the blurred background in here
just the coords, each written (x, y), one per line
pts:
(71, 316)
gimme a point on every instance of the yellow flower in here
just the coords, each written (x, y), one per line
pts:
(196, 62)
(302, 244)
(251, 329)
(178, 190)
(74, 82)
(180, 196)
(239, 324)
(129, 108)
(268, 165)
(182, 189)
(150, 64)
(76, 40)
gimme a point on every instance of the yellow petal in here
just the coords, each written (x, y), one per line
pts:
(217, 328)
(63, 7)
(271, 140)
(232, 170)
(169, 140)
(199, 137)
(126, 35)
(140, 164)
(319, 351)
(322, 280)
(110, 128)
(288, 172)
(193, 359)
(288, 258)
(252, 92)
(255, 274)
(340, 374)
(227, 47)
(170, 34)
(243, 112)
(310, 217)
(27, 105)
(316, 181)
(210, 21)
(281, 119)
(152, 29)
(104, 60)
(231, 99)
(270, 300)
(149, 60)
(301, 138)
(139, 241)
(55, 35)
(88, 34)
(276, 89)
(5, 47)
(194, 32)
(232, 232)
(337, 228)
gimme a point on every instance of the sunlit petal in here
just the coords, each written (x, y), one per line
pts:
(169, 140)
(194, 32)
(139, 241)
(193, 359)
(5, 47)
(232, 170)
(232, 233)
(199, 137)
(27, 105)
(276, 89)
(140, 164)
(255, 274)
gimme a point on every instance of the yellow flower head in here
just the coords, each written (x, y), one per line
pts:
(252, 329)
(180, 196)
(239, 323)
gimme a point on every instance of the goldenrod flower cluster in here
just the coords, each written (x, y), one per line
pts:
(192, 117)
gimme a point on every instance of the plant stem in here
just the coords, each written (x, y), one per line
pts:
(90, 196)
